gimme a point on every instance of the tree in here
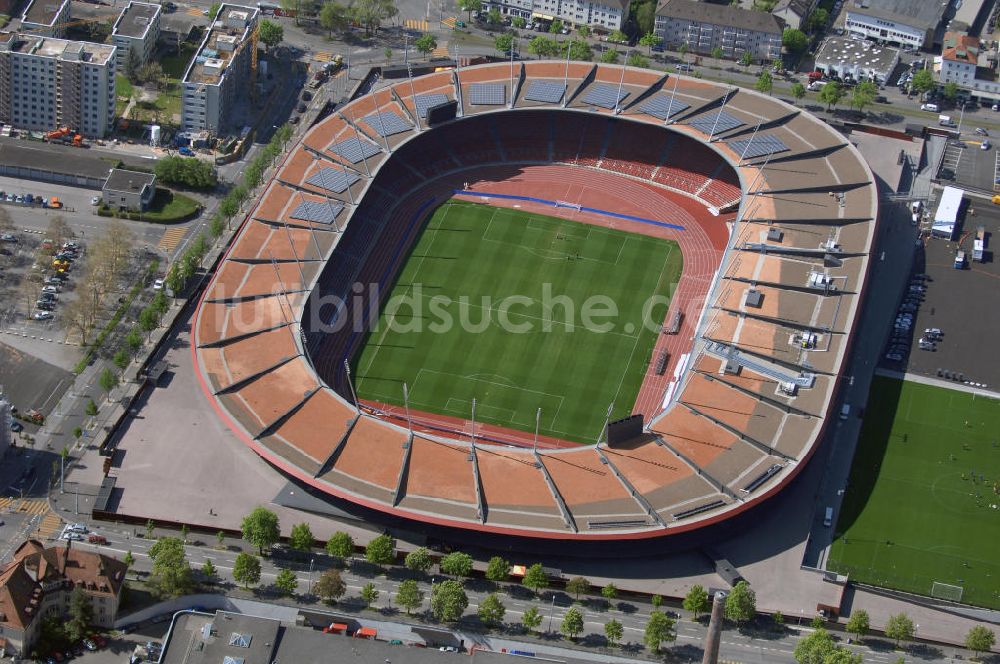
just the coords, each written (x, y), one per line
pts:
(899, 627)
(656, 601)
(340, 545)
(817, 622)
(543, 47)
(213, 11)
(645, 17)
(371, 13)
(270, 33)
(492, 610)
(609, 592)
(497, 569)
(380, 551)
(618, 37)
(409, 596)
(659, 628)
(518, 22)
(333, 17)
(864, 95)
(764, 82)
(613, 632)
(831, 94)
(858, 624)
(923, 81)
(531, 619)
(535, 578)
(470, 6)
(6, 223)
(504, 43)
(185, 531)
(979, 639)
(580, 50)
(449, 601)
(425, 43)
(717, 54)
(208, 570)
(107, 380)
(286, 582)
(583, 31)
(650, 40)
(301, 538)
(91, 408)
(149, 528)
(572, 622)
(609, 56)
(746, 59)
(779, 619)
(81, 614)
(682, 50)
(637, 60)
(798, 90)
(457, 563)
(950, 90)
(260, 528)
(121, 360)
(577, 585)
(246, 569)
(220, 540)
(842, 656)
(493, 16)
(696, 600)
(817, 20)
(418, 560)
(171, 573)
(58, 230)
(555, 27)
(794, 40)
(741, 603)
(814, 648)
(128, 559)
(330, 586)
(187, 171)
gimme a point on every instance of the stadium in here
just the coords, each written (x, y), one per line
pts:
(604, 174)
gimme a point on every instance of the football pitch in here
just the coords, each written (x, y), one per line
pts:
(520, 312)
(922, 511)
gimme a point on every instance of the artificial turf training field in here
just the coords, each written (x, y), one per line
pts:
(923, 504)
(486, 254)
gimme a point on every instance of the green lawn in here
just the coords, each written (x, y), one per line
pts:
(168, 206)
(174, 66)
(509, 355)
(923, 502)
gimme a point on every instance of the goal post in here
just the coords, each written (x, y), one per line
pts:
(947, 591)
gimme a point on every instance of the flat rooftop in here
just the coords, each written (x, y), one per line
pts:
(43, 12)
(922, 14)
(230, 30)
(863, 53)
(135, 20)
(23, 156)
(53, 47)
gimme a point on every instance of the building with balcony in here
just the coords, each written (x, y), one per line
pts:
(966, 63)
(608, 15)
(47, 83)
(38, 584)
(221, 70)
(46, 17)
(904, 22)
(704, 27)
(135, 34)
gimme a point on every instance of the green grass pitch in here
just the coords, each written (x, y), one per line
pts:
(923, 504)
(561, 365)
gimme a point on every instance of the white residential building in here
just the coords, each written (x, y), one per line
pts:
(609, 14)
(704, 27)
(960, 63)
(46, 17)
(908, 23)
(794, 12)
(47, 83)
(135, 34)
(220, 70)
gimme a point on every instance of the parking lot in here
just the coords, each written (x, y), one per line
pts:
(966, 163)
(963, 303)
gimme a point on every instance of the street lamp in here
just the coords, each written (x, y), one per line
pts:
(311, 561)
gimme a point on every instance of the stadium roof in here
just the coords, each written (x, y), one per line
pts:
(753, 391)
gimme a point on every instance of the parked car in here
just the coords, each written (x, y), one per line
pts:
(95, 200)
(186, 151)
(158, 284)
(8, 237)
(97, 539)
(42, 315)
(51, 288)
(77, 527)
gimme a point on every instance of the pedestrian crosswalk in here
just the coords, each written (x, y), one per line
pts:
(417, 24)
(441, 51)
(323, 56)
(449, 22)
(24, 505)
(171, 238)
(194, 11)
(49, 527)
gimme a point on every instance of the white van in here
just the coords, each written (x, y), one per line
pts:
(933, 108)
(828, 517)
(845, 411)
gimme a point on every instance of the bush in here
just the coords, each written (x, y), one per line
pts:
(188, 171)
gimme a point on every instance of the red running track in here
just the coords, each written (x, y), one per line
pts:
(702, 244)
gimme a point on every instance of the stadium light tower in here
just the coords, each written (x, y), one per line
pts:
(413, 96)
(350, 383)
(406, 404)
(565, 99)
(473, 423)
(618, 98)
(538, 418)
(381, 122)
(670, 108)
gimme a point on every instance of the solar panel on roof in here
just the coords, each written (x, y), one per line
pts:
(663, 107)
(386, 123)
(550, 92)
(487, 94)
(354, 150)
(720, 121)
(605, 96)
(333, 180)
(758, 146)
(320, 212)
(423, 102)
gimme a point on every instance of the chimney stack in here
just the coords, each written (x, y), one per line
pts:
(714, 634)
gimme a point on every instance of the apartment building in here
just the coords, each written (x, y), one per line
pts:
(46, 17)
(705, 27)
(47, 83)
(904, 22)
(965, 63)
(220, 71)
(794, 12)
(135, 34)
(609, 15)
(38, 583)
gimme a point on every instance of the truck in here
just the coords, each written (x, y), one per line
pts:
(945, 121)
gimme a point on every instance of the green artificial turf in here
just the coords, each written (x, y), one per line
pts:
(562, 365)
(923, 504)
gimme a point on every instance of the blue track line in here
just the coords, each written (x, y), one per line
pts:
(607, 213)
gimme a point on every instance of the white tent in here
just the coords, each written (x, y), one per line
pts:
(946, 215)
